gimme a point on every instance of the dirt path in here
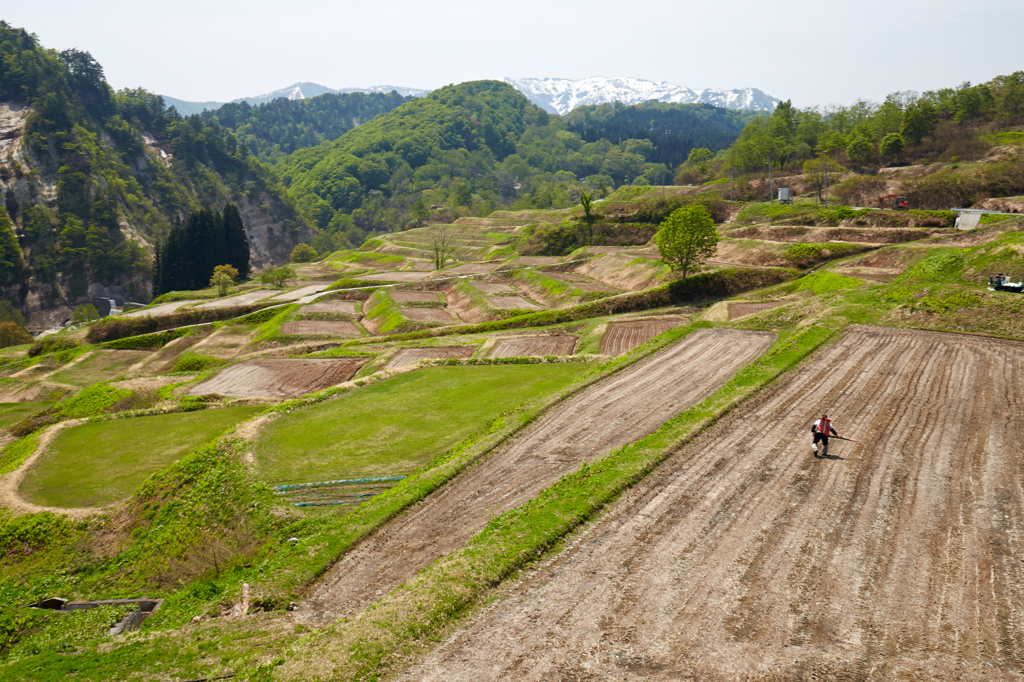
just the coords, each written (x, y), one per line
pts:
(745, 557)
(610, 413)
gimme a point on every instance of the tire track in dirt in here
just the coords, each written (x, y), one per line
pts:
(744, 557)
(615, 411)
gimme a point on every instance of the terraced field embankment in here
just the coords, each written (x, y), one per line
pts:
(745, 557)
(613, 412)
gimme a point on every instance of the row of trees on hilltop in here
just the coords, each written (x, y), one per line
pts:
(196, 247)
(868, 133)
(672, 129)
(278, 128)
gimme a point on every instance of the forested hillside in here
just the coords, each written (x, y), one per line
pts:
(92, 179)
(471, 148)
(953, 147)
(282, 126)
(673, 129)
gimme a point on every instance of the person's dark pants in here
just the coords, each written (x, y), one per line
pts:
(824, 442)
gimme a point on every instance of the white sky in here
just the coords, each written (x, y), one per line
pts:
(811, 52)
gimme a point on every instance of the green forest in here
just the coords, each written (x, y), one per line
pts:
(273, 130)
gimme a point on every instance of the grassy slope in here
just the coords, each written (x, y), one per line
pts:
(397, 425)
(102, 462)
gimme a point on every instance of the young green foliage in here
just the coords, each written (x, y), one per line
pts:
(687, 238)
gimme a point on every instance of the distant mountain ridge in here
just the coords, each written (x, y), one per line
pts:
(294, 91)
(562, 95)
(555, 95)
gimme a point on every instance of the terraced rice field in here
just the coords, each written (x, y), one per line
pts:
(744, 557)
(538, 260)
(280, 378)
(494, 288)
(396, 276)
(738, 310)
(321, 327)
(533, 346)
(621, 337)
(410, 356)
(513, 303)
(608, 414)
(243, 299)
(473, 269)
(340, 307)
(157, 310)
(416, 296)
(428, 315)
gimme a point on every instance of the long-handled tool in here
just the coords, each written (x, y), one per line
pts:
(842, 438)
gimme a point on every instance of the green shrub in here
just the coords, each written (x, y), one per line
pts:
(51, 344)
(190, 362)
(155, 340)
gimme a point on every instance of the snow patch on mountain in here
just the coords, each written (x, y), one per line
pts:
(562, 95)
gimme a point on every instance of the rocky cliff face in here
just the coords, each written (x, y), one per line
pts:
(27, 180)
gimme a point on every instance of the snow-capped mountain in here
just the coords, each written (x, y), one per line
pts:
(561, 95)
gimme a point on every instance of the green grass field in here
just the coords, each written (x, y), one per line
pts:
(12, 413)
(399, 424)
(95, 464)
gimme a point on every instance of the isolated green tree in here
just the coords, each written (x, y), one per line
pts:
(303, 253)
(814, 172)
(442, 245)
(892, 145)
(590, 216)
(223, 277)
(687, 238)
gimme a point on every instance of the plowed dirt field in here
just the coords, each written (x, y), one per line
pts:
(533, 345)
(494, 288)
(745, 558)
(428, 315)
(413, 355)
(513, 303)
(341, 307)
(472, 269)
(321, 327)
(415, 296)
(738, 310)
(625, 336)
(278, 377)
(618, 410)
(296, 294)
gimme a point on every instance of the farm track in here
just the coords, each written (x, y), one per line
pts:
(618, 410)
(744, 557)
(625, 336)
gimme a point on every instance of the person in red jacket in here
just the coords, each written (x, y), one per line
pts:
(822, 429)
